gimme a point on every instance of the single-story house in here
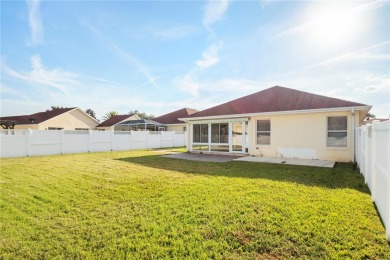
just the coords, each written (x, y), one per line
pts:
(171, 120)
(64, 118)
(278, 122)
(109, 124)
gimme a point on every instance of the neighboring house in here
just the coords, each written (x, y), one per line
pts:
(63, 118)
(279, 122)
(171, 121)
(369, 121)
(139, 125)
(110, 123)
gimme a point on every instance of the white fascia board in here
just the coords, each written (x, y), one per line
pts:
(85, 114)
(221, 120)
(306, 111)
(174, 124)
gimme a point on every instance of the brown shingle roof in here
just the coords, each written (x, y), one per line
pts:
(172, 118)
(38, 117)
(114, 120)
(273, 100)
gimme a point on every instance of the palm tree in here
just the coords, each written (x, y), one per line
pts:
(370, 116)
(109, 115)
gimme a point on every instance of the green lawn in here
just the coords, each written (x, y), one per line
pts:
(137, 204)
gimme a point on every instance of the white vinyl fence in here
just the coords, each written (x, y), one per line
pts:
(20, 143)
(373, 156)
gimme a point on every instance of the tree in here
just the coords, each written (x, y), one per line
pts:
(91, 113)
(141, 115)
(370, 116)
(55, 107)
(109, 114)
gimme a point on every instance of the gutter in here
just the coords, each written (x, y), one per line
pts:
(305, 111)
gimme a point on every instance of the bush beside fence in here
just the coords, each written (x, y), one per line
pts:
(20, 143)
(373, 156)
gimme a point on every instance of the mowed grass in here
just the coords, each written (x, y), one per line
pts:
(137, 204)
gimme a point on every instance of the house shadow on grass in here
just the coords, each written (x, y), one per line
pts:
(341, 176)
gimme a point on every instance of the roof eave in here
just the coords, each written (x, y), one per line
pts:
(305, 111)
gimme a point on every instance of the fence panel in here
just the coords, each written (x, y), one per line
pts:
(100, 141)
(19, 143)
(75, 142)
(373, 156)
(44, 142)
(168, 139)
(139, 140)
(363, 151)
(121, 141)
(368, 158)
(179, 139)
(13, 143)
(382, 170)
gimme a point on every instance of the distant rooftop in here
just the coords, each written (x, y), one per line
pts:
(36, 118)
(114, 120)
(172, 118)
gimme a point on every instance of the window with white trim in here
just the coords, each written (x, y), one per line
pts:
(200, 133)
(337, 131)
(263, 132)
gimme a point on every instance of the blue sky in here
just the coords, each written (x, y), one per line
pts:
(160, 56)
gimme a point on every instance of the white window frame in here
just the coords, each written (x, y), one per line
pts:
(259, 131)
(335, 131)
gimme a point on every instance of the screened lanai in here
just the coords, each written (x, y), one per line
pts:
(139, 125)
(222, 135)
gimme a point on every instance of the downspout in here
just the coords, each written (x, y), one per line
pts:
(353, 134)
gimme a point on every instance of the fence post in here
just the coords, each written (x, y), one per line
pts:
(28, 141)
(62, 140)
(131, 140)
(357, 136)
(373, 160)
(147, 139)
(112, 140)
(366, 151)
(161, 139)
(388, 185)
(89, 140)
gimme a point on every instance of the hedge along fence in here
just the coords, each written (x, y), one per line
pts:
(373, 156)
(20, 143)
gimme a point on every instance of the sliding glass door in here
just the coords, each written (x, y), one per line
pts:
(237, 137)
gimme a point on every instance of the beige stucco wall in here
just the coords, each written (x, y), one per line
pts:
(69, 121)
(176, 127)
(301, 135)
(105, 128)
(32, 126)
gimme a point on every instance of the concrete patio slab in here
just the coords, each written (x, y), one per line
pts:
(202, 157)
(316, 163)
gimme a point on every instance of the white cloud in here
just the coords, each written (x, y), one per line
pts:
(332, 16)
(35, 22)
(265, 3)
(174, 32)
(46, 87)
(362, 54)
(122, 54)
(210, 57)
(187, 83)
(57, 79)
(214, 10)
